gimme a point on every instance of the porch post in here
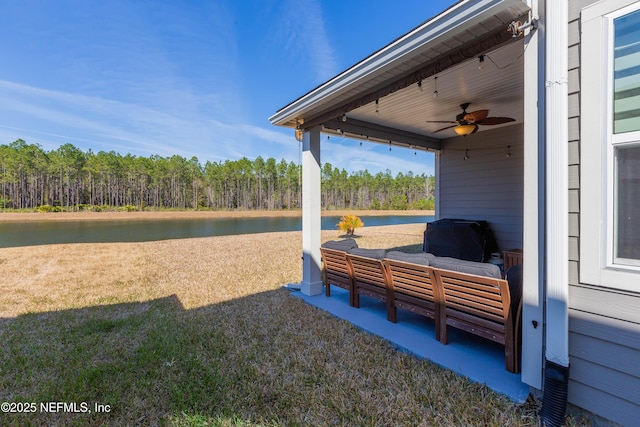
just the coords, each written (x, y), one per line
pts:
(556, 371)
(311, 279)
(533, 237)
(557, 149)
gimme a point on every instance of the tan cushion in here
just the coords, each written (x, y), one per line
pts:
(469, 267)
(368, 253)
(420, 258)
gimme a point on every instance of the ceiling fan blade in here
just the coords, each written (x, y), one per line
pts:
(448, 127)
(489, 121)
(476, 116)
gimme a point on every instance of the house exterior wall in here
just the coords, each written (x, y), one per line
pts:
(488, 185)
(604, 324)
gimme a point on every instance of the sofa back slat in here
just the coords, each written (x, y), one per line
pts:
(411, 279)
(476, 308)
(486, 295)
(335, 262)
(370, 278)
(413, 287)
(368, 270)
(463, 296)
(475, 285)
(483, 294)
(337, 271)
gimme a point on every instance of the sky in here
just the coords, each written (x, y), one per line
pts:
(190, 77)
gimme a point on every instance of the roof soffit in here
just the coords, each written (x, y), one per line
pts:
(466, 29)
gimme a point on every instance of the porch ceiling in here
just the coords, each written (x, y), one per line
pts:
(499, 90)
(446, 46)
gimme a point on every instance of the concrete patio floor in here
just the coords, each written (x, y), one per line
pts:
(478, 359)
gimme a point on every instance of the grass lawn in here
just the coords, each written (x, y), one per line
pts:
(200, 332)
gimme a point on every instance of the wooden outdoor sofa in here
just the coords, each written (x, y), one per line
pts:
(442, 289)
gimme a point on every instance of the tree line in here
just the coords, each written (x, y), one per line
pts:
(69, 179)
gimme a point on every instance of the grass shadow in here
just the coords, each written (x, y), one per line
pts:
(263, 359)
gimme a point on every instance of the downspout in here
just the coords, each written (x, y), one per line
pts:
(556, 372)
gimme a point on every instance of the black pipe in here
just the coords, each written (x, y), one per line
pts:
(554, 401)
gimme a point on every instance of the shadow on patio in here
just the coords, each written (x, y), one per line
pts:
(479, 360)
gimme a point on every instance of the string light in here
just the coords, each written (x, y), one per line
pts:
(420, 88)
(480, 62)
(508, 151)
(435, 87)
(377, 106)
(466, 154)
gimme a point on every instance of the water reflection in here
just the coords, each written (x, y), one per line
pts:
(51, 232)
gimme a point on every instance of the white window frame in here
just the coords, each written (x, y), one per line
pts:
(597, 143)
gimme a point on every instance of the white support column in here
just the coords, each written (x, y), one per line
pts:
(311, 279)
(557, 149)
(533, 237)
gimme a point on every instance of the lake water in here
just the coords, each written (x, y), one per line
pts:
(50, 232)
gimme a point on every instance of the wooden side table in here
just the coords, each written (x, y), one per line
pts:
(511, 257)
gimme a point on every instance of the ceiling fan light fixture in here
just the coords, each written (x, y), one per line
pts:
(464, 130)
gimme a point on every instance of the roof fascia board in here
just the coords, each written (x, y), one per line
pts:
(452, 21)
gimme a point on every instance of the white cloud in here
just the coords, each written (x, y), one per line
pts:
(316, 40)
(83, 118)
(302, 31)
(52, 118)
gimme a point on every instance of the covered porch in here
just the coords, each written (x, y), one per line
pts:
(412, 94)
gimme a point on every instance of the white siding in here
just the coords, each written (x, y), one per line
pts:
(488, 185)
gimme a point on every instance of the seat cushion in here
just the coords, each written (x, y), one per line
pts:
(368, 253)
(420, 258)
(341, 245)
(469, 267)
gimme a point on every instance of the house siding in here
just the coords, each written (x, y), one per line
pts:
(488, 185)
(604, 324)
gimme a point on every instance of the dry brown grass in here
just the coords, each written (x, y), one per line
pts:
(200, 271)
(201, 332)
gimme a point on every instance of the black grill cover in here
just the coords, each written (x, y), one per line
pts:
(459, 238)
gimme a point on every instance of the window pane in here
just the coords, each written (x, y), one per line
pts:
(627, 214)
(626, 80)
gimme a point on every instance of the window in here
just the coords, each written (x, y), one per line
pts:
(625, 148)
(626, 73)
(610, 145)
(627, 205)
